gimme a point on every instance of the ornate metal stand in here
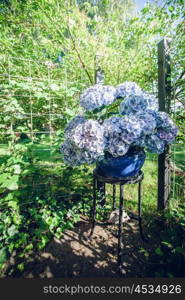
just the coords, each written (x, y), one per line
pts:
(121, 182)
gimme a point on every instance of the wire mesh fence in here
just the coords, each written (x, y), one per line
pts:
(39, 93)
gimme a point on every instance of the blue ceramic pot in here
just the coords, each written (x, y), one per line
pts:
(122, 166)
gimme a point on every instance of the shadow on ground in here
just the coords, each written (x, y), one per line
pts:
(76, 255)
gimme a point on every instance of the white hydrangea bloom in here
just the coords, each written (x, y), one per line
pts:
(89, 136)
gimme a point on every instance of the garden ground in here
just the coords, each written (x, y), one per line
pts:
(78, 255)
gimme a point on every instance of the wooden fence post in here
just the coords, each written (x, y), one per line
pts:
(164, 95)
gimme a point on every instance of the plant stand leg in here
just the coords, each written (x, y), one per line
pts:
(120, 238)
(139, 214)
(114, 197)
(94, 205)
(101, 192)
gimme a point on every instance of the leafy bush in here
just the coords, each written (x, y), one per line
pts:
(30, 214)
(168, 253)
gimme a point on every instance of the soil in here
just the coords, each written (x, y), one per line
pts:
(77, 255)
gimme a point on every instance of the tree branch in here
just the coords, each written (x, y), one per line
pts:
(79, 56)
(73, 41)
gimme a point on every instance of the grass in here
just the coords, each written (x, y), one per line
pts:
(177, 155)
(149, 189)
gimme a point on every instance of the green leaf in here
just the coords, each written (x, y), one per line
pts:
(20, 267)
(12, 230)
(17, 169)
(180, 250)
(171, 8)
(4, 255)
(3, 177)
(167, 244)
(11, 184)
(28, 247)
(158, 251)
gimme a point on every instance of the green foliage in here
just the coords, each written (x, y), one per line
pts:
(47, 57)
(167, 255)
(32, 212)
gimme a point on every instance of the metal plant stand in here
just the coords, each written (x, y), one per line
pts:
(121, 182)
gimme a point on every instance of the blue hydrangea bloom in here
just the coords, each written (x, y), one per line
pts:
(126, 89)
(167, 136)
(131, 128)
(72, 156)
(141, 124)
(152, 101)
(117, 147)
(114, 143)
(154, 144)
(137, 103)
(97, 96)
(133, 104)
(140, 142)
(164, 121)
(72, 125)
(147, 121)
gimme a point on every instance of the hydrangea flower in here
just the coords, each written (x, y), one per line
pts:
(117, 147)
(120, 133)
(112, 128)
(164, 121)
(167, 136)
(152, 102)
(147, 121)
(84, 144)
(140, 142)
(126, 89)
(114, 143)
(137, 103)
(97, 96)
(72, 156)
(124, 109)
(154, 144)
(89, 136)
(133, 104)
(75, 157)
(131, 128)
(142, 125)
(72, 125)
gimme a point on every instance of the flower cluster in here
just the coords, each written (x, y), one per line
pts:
(140, 124)
(158, 132)
(97, 96)
(154, 144)
(114, 142)
(84, 141)
(127, 88)
(138, 102)
(72, 125)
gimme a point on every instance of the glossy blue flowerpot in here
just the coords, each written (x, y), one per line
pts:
(124, 166)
